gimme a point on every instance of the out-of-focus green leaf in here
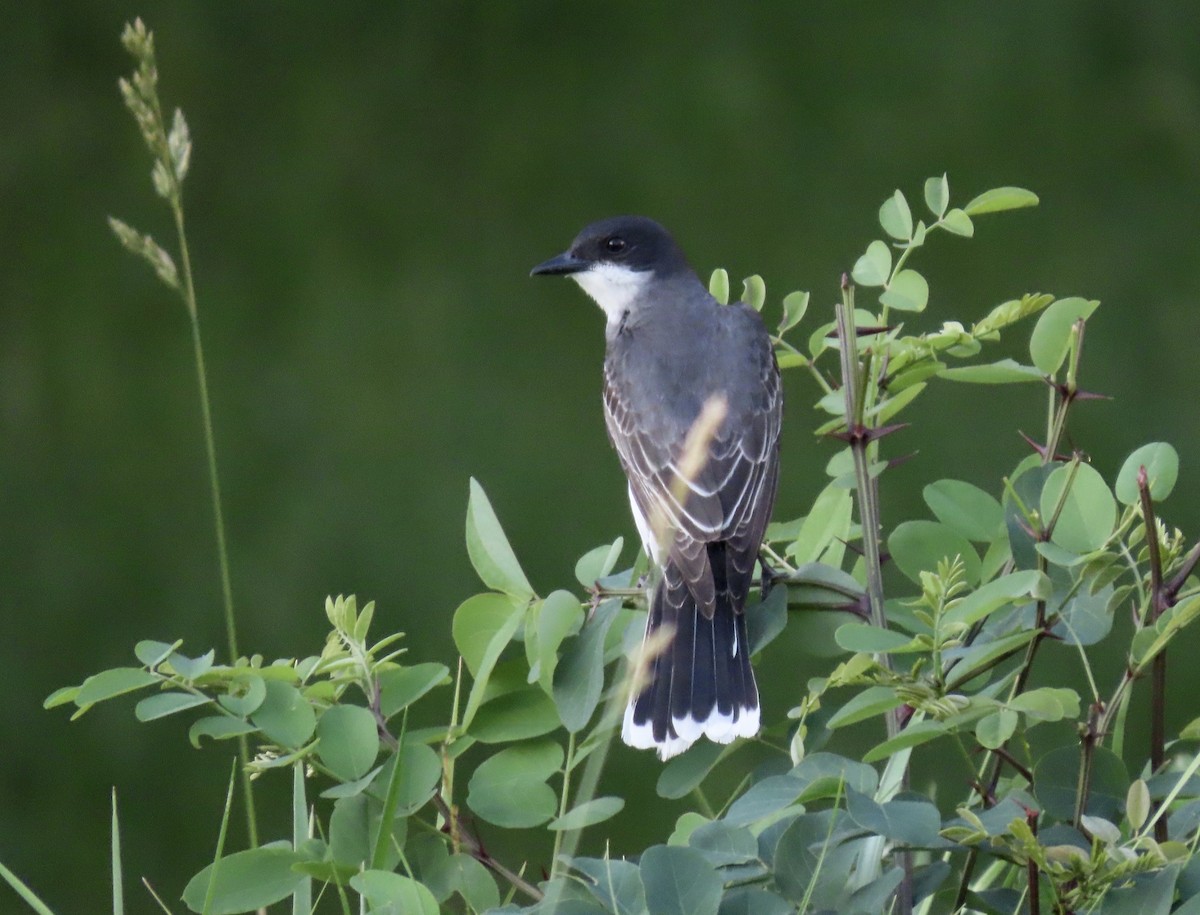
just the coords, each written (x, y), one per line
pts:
(597, 563)
(163, 704)
(389, 892)
(1006, 371)
(754, 292)
(917, 546)
(679, 881)
(488, 547)
(795, 304)
(579, 676)
(464, 875)
(975, 514)
(958, 222)
(1088, 513)
(763, 799)
(509, 788)
(560, 616)
(872, 701)
(718, 285)
(515, 716)
(828, 520)
(1051, 337)
(1162, 469)
(111, 683)
(401, 687)
(246, 880)
(904, 821)
(285, 716)
(1001, 198)
(937, 195)
(349, 741)
(1028, 584)
(218, 727)
(874, 267)
(589, 813)
(483, 626)
(683, 773)
(993, 730)
(896, 218)
(870, 639)
(909, 291)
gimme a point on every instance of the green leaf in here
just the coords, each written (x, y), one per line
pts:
(490, 625)
(912, 736)
(164, 704)
(248, 693)
(27, 895)
(874, 267)
(401, 687)
(975, 514)
(1006, 371)
(285, 717)
(754, 292)
(917, 546)
(464, 875)
(909, 291)
(1089, 511)
(958, 223)
(561, 615)
(191, 668)
(515, 716)
(872, 701)
(795, 304)
(683, 773)
(349, 741)
(490, 553)
(617, 884)
(870, 639)
(679, 881)
(218, 727)
(579, 676)
(828, 521)
(589, 813)
(1001, 198)
(993, 730)
(111, 683)
(764, 799)
(420, 772)
(718, 285)
(479, 622)
(61, 696)
(389, 892)
(153, 653)
(246, 880)
(509, 789)
(1162, 469)
(896, 218)
(724, 845)
(598, 563)
(1028, 584)
(354, 823)
(1051, 337)
(937, 195)
(811, 865)
(1137, 804)
(1056, 777)
(905, 821)
(1047, 703)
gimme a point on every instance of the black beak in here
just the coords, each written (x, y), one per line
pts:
(562, 265)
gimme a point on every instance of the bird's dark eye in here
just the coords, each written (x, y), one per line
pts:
(614, 244)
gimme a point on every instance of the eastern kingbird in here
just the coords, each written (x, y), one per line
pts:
(671, 349)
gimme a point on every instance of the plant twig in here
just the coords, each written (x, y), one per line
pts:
(1158, 675)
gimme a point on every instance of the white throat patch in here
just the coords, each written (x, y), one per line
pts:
(612, 287)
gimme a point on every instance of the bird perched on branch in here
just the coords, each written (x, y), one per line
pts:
(693, 404)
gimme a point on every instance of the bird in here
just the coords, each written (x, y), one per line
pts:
(671, 349)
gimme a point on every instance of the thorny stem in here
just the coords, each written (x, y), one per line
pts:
(868, 511)
(1158, 676)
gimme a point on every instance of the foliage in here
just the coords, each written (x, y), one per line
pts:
(943, 653)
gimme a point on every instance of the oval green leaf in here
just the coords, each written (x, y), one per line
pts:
(489, 550)
(999, 199)
(909, 291)
(896, 218)
(589, 813)
(349, 739)
(245, 881)
(679, 881)
(975, 514)
(1088, 513)
(917, 546)
(874, 267)
(285, 716)
(1051, 337)
(1162, 469)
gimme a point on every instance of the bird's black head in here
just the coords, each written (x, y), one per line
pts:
(632, 243)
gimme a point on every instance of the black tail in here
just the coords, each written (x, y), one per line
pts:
(701, 681)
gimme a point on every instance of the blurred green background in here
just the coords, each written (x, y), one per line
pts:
(370, 185)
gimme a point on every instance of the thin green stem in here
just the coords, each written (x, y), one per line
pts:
(563, 800)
